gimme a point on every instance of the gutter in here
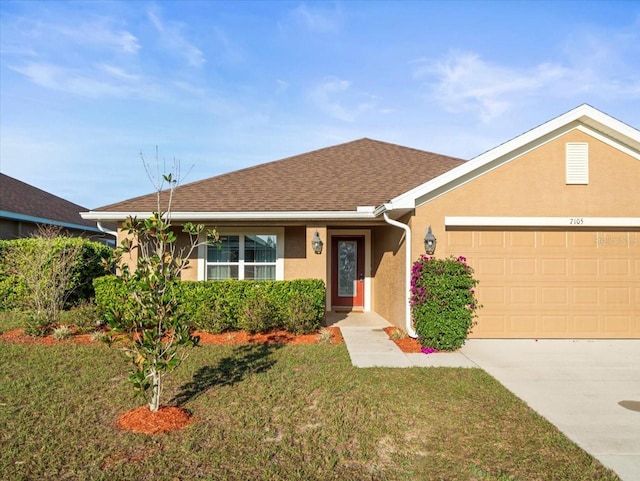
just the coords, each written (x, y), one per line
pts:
(407, 239)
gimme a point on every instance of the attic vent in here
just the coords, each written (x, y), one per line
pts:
(577, 156)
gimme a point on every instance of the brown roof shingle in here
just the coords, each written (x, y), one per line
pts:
(20, 198)
(363, 172)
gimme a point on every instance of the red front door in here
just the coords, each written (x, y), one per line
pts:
(347, 271)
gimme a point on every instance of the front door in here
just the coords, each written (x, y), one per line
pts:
(347, 271)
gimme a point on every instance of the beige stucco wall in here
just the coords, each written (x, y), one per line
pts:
(534, 185)
(300, 262)
(388, 272)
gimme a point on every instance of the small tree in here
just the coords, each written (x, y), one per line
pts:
(153, 328)
(443, 302)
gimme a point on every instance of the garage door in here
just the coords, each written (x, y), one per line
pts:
(553, 283)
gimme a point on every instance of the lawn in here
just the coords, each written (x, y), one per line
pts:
(272, 412)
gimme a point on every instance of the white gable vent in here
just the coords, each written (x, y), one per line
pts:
(577, 160)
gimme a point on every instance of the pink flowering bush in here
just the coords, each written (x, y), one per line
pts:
(443, 302)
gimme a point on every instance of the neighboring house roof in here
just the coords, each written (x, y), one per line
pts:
(341, 178)
(23, 202)
(584, 117)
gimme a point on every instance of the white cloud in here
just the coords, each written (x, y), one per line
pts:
(172, 38)
(334, 96)
(90, 83)
(590, 66)
(463, 82)
(315, 20)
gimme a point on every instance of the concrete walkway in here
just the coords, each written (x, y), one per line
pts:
(588, 389)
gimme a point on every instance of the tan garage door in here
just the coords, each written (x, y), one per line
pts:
(552, 283)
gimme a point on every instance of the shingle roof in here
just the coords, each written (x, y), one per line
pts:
(363, 172)
(20, 198)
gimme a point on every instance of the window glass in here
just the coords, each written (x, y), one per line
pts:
(260, 248)
(220, 273)
(229, 250)
(260, 273)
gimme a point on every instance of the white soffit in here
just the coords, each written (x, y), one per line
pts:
(474, 221)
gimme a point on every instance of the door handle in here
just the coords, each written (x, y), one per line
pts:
(361, 277)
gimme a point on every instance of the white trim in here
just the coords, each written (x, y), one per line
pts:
(365, 214)
(367, 262)
(576, 221)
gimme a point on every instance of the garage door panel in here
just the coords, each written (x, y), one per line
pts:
(522, 267)
(553, 266)
(584, 267)
(584, 295)
(491, 239)
(553, 239)
(548, 284)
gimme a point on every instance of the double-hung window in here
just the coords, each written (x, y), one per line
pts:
(243, 256)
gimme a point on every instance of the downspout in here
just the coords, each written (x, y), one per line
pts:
(107, 231)
(407, 240)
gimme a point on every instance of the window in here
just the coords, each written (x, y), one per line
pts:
(577, 163)
(248, 256)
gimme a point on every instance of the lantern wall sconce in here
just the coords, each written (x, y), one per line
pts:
(430, 242)
(316, 243)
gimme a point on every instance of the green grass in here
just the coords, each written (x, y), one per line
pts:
(272, 413)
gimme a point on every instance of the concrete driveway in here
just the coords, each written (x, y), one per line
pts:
(589, 389)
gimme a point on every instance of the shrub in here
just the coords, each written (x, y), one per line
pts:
(257, 314)
(300, 316)
(37, 324)
(215, 306)
(443, 302)
(61, 332)
(84, 316)
(51, 270)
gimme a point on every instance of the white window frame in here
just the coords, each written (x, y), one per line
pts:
(241, 232)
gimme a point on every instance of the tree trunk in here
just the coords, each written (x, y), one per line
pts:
(154, 404)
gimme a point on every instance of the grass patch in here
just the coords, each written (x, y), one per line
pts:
(273, 413)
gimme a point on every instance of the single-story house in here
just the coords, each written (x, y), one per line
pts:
(24, 207)
(550, 222)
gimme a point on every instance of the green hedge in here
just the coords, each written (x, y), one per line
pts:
(218, 306)
(89, 265)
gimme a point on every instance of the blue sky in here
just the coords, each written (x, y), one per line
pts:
(86, 86)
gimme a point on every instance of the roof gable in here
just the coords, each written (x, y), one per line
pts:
(584, 117)
(340, 178)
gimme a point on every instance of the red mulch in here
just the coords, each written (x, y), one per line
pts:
(142, 420)
(406, 344)
(236, 337)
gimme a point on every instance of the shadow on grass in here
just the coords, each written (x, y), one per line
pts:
(245, 359)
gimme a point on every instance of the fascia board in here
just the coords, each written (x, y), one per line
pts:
(239, 216)
(584, 114)
(41, 220)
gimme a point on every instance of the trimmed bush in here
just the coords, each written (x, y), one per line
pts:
(300, 315)
(215, 306)
(257, 314)
(91, 262)
(443, 302)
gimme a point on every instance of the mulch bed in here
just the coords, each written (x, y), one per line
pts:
(236, 337)
(406, 344)
(141, 420)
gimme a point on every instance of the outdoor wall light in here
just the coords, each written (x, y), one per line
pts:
(430, 242)
(317, 243)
